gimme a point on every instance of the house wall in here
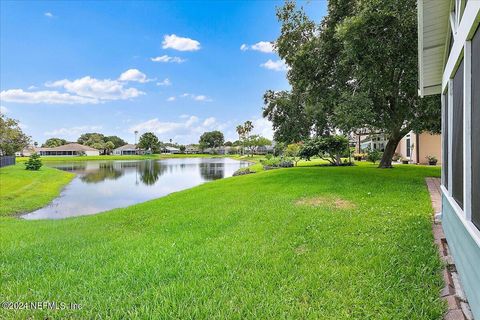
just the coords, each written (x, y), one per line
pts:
(430, 145)
(462, 235)
(92, 153)
(465, 251)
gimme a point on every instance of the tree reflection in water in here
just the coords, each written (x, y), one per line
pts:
(212, 171)
(104, 171)
(150, 171)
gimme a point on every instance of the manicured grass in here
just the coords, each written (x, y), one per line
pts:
(24, 190)
(299, 243)
(126, 157)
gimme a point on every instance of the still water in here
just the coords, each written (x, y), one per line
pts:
(104, 185)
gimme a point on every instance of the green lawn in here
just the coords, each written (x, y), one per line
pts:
(299, 243)
(24, 190)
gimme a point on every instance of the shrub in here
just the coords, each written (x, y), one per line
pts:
(285, 163)
(33, 162)
(242, 171)
(329, 148)
(374, 155)
(432, 160)
(396, 156)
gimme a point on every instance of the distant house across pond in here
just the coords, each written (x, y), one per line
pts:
(191, 149)
(71, 149)
(27, 152)
(128, 149)
(170, 150)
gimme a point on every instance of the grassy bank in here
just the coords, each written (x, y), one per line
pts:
(24, 190)
(307, 242)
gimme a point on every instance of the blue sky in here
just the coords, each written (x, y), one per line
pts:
(175, 68)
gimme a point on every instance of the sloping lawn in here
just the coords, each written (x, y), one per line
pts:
(299, 243)
(25, 190)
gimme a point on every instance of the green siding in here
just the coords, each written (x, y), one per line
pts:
(466, 253)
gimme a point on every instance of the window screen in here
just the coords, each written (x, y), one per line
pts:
(445, 141)
(476, 129)
(457, 137)
(408, 147)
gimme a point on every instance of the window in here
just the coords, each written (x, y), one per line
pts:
(475, 117)
(445, 140)
(457, 137)
(408, 147)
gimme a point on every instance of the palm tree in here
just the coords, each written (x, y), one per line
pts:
(241, 133)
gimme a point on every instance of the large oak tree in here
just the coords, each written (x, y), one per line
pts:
(355, 70)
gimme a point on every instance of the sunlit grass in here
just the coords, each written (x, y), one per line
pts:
(25, 190)
(242, 247)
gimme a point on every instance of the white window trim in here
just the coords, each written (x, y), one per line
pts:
(469, 226)
(463, 28)
(442, 139)
(450, 135)
(468, 25)
(467, 131)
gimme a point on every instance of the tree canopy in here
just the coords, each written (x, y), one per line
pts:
(211, 139)
(117, 141)
(355, 70)
(54, 142)
(12, 138)
(149, 141)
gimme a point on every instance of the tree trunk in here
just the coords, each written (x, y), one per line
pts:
(386, 161)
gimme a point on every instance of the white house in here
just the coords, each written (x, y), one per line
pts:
(449, 64)
(128, 149)
(71, 149)
(170, 150)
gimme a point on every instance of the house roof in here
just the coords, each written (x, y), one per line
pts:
(172, 149)
(433, 28)
(127, 147)
(69, 147)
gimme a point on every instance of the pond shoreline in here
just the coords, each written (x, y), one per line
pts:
(103, 185)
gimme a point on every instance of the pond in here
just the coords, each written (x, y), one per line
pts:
(104, 185)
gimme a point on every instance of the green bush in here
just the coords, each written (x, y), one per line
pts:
(374, 155)
(33, 162)
(329, 148)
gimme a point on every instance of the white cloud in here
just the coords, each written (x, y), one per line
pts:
(3, 110)
(170, 99)
(199, 97)
(134, 75)
(278, 65)
(165, 58)
(209, 121)
(262, 46)
(98, 89)
(48, 14)
(263, 127)
(164, 82)
(71, 132)
(180, 43)
(49, 97)
(32, 87)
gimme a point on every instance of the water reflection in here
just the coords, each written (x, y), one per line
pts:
(212, 171)
(150, 171)
(104, 185)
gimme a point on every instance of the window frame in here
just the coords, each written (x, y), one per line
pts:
(463, 31)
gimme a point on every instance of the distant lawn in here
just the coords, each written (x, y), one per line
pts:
(300, 243)
(24, 190)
